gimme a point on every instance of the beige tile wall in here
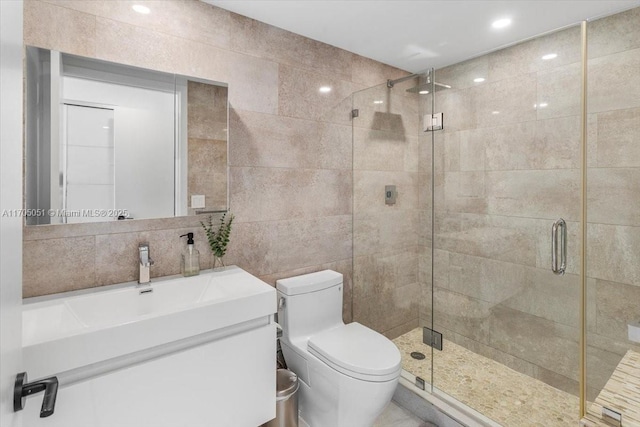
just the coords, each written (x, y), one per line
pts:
(505, 170)
(207, 144)
(386, 238)
(290, 146)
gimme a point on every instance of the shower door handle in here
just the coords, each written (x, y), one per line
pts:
(559, 239)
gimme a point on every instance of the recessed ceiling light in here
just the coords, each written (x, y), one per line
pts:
(501, 23)
(325, 89)
(495, 112)
(542, 104)
(423, 92)
(478, 79)
(378, 102)
(550, 56)
(105, 127)
(141, 9)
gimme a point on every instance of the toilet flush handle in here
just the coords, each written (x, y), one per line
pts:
(281, 303)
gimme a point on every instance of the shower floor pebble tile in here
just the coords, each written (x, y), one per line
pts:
(500, 393)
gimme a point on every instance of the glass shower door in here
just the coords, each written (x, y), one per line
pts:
(506, 169)
(613, 216)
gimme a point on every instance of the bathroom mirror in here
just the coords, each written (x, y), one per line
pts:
(106, 142)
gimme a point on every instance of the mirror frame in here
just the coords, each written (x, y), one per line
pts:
(96, 68)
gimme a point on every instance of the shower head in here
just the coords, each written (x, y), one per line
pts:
(425, 88)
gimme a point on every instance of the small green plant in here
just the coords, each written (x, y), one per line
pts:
(218, 236)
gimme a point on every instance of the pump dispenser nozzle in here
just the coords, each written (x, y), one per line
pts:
(189, 238)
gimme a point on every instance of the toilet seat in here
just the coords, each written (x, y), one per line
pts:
(358, 352)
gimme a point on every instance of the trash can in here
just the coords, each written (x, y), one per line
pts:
(286, 400)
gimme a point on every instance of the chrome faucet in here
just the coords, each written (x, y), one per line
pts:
(145, 263)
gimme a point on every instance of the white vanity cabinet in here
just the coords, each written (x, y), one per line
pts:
(197, 351)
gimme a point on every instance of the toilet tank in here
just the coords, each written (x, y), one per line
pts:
(311, 303)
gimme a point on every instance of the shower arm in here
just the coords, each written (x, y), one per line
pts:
(391, 83)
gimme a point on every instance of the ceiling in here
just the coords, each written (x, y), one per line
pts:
(417, 34)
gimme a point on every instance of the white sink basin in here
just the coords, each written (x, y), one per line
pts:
(128, 305)
(71, 331)
(47, 322)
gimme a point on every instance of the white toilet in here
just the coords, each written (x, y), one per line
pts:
(347, 373)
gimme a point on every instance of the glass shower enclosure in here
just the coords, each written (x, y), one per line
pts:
(470, 204)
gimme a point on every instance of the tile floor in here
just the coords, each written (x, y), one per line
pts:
(397, 416)
(500, 393)
(393, 416)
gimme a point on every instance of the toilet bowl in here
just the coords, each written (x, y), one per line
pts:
(347, 372)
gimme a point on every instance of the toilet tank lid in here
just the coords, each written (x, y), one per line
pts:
(309, 282)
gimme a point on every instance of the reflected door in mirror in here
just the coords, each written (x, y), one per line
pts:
(87, 153)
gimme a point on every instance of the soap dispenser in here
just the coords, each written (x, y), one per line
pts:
(190, 262)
